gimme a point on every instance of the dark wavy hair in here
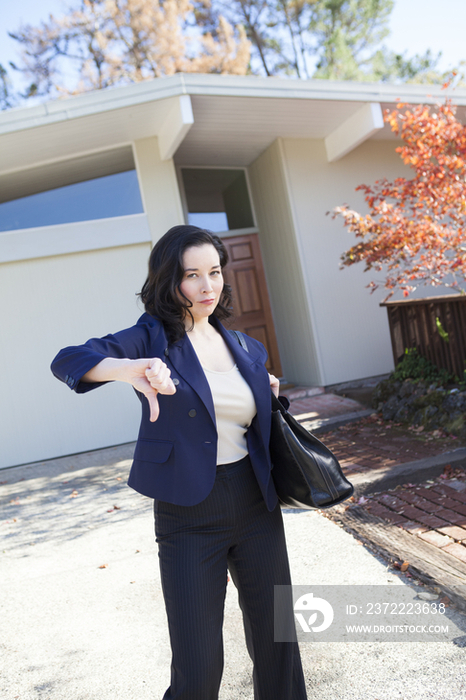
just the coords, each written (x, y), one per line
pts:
(161, 294)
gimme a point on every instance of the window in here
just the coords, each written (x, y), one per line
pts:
(217, 199)
(71, 191)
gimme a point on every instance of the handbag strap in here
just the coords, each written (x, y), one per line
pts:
(276, 404)
(240, 338)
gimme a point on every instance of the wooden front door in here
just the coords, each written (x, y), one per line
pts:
(251, 305)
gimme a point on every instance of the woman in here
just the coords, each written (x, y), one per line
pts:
(202, 454)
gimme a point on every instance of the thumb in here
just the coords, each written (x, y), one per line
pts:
(154, 407)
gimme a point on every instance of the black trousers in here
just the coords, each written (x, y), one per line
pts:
(230, 528)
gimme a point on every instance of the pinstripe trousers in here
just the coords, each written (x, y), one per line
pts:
(232, 528)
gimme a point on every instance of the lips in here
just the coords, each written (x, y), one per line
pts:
(207, 301)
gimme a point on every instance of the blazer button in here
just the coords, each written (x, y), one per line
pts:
(192, 413)
(175, 381)
(165, 352)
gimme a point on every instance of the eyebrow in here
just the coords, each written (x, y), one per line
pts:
(196, 269)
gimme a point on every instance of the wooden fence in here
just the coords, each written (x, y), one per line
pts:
(421, 323)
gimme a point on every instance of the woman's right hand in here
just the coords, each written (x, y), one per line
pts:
(148, 376)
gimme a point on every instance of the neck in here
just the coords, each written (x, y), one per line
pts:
(200, 327)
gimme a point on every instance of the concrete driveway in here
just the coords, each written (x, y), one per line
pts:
(82, 614)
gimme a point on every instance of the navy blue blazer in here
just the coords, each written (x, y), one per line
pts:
(175, 457)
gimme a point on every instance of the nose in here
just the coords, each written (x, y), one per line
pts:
(207, 284)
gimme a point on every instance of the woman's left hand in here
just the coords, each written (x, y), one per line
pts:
(274, 384)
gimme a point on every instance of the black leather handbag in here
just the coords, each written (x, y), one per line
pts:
(306, 473)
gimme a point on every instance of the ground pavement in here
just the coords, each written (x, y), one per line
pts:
(81, 608)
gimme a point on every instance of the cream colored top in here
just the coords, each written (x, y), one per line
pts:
(234, 410)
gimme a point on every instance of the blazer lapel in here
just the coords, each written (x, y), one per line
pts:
(185, 361)
(254, 372)
(183, 358)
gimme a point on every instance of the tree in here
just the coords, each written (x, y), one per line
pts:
(415, 231)
(330, 39)
(111, 42)
(348, 32)
(420, 68)
(99, 43)
(256, 17)
(7, 98)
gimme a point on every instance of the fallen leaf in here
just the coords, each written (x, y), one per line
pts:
(404, 566)
(74, 494)
(103, 566)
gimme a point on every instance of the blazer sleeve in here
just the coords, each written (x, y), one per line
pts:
(72, 363)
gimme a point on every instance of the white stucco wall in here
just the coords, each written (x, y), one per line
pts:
(351, 330)
(159, 187)
(47, 304)
(59, 286)
(286, 278)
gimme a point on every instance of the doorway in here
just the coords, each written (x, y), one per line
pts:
(251, 305)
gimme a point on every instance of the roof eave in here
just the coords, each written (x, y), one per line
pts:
(114, 98)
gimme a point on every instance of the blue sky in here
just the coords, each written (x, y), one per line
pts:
(416, 25)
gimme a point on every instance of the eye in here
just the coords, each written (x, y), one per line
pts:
(216, 272)
(191, 275)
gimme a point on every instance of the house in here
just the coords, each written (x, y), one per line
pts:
(89, 183)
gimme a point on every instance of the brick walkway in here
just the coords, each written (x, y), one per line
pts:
(435, 510)
(372, 444)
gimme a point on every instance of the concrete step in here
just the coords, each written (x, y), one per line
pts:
(294, 393)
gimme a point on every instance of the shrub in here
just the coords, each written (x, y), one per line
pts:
(417, 368)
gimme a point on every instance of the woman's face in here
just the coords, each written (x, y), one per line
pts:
(202, 282)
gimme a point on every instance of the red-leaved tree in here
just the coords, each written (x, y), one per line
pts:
(415, 231)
